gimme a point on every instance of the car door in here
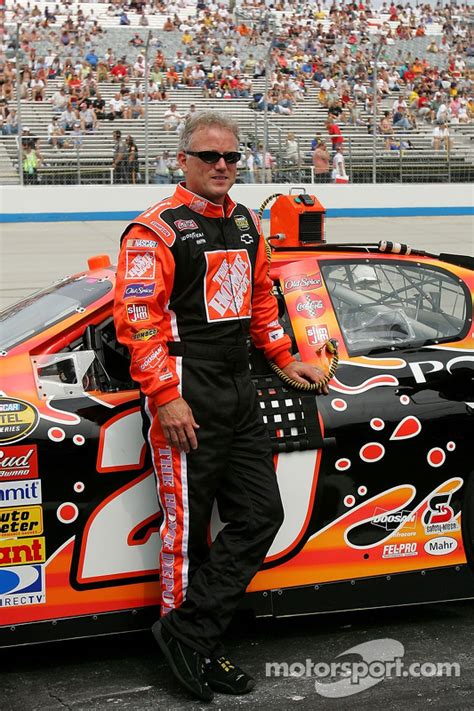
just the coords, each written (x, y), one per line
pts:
(394, 458)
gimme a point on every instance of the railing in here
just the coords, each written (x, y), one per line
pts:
(90, 162)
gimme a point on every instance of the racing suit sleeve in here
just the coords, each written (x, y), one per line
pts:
(143, 286)
(265, 329)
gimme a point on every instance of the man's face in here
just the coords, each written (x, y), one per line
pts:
(214, 181)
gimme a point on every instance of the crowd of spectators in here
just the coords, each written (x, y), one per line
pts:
(327, 46)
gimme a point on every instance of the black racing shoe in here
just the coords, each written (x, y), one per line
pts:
(186, 664)
(225, 676)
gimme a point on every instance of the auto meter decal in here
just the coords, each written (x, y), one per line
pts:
(18, 419)
(21, 521)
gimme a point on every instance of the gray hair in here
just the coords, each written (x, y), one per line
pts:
(206, 119)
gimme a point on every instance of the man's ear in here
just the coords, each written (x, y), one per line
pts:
(181, 158)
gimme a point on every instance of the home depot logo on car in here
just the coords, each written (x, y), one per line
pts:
(227, 286)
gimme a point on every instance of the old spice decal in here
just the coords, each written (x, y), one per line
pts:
(227, 287)
(303, 282)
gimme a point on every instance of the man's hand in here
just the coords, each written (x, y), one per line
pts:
(306, 373)
(178, 424)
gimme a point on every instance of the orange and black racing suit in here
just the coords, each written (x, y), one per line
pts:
(192, 285)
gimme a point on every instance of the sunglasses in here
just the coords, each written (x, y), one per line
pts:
(214, 156)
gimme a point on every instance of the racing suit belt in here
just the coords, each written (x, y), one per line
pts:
(235, 354)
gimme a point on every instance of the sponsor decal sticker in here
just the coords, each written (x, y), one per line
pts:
(242, 222)
(310, 306)
(317, 334)
(166, 376)
(144, 334)
(198, 236)
(400, 550)
(141, 290)
(19, 493)
(18, 419)
(137, 312)
(22, 551)
(441, 546)
(227, 285)
(303, 282)
(198, 205)
(22, 521)
(22, 585)
(391, 520)
(159, 227)
(439, 516)
(246, 239)
(153, 360)
(143, 243)
(19, 462)
(186, 225)
(276, 334)
(139, 265)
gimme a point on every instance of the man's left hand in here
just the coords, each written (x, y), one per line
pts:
(306, 373)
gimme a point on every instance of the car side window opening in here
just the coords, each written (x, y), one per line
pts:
(112, 362)
(394, 304)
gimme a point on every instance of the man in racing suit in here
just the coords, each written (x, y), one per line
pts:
(192, 285)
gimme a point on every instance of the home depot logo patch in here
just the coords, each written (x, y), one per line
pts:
(227, 285)
(140, 265)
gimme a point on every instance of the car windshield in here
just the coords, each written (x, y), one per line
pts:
(42, 310)
(395, 304)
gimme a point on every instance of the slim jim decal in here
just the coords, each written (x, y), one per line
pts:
(18, 419)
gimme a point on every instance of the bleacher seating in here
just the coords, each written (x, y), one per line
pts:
(92, 160)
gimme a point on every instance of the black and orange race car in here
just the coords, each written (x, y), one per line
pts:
(376, 478)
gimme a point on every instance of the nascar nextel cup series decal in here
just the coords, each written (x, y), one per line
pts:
(18, 419)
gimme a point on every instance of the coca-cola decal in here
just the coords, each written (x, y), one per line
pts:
(303, 282)
(19, 462)
(310, 306)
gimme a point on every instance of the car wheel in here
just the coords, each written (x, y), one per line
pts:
(468, 521)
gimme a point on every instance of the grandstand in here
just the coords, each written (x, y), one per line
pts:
(91, 161)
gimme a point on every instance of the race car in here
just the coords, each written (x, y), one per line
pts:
(376, 478)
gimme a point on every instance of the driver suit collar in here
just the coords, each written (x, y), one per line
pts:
(201, 205)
